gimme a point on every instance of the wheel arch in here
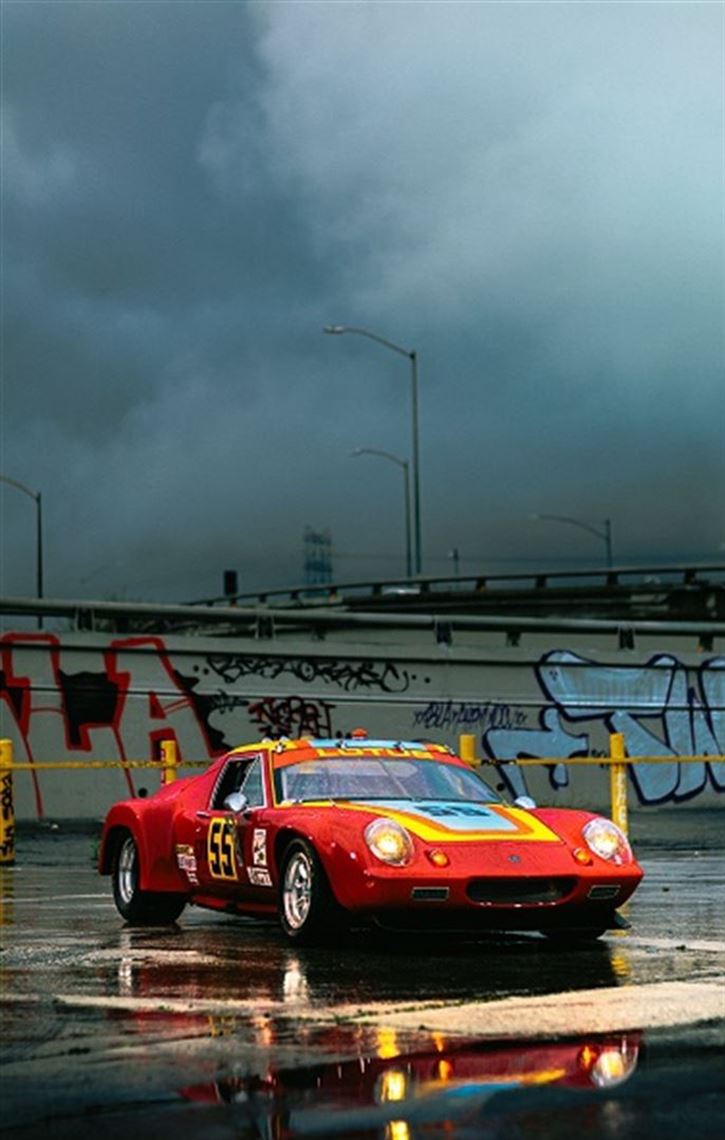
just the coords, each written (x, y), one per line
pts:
(287, 836)
(121, 822)
(330, 856)
(112, 841)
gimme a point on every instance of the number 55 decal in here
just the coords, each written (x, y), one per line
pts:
(220, 849)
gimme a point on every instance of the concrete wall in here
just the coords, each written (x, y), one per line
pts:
(75, 696)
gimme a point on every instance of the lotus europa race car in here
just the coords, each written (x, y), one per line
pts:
(328, 833)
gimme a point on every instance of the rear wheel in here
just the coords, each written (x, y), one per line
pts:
(308, 909)
(136, 906)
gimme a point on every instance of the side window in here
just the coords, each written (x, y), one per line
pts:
(231, 780)
(252, 784)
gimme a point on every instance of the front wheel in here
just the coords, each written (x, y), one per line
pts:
(140, 908)
(308, 909)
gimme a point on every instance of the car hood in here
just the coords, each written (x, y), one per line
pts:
(450, 821)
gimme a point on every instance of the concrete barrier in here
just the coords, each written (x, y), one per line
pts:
(617, 762)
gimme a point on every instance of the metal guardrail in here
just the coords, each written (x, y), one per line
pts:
(168, 765)
(261, 622)
(337, 592)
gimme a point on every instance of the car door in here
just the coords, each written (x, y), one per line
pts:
(224, 841)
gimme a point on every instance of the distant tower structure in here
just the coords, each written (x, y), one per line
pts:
(318, 557)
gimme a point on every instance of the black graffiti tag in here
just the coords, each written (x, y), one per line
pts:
(293, 716)
(348, 675)
(7, 847)
(6, 796)
(463, 715)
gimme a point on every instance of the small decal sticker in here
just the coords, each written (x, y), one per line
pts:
(259, 876)
(186, 860)
(259, 847)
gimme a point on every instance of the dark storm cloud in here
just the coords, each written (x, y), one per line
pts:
(529, 194)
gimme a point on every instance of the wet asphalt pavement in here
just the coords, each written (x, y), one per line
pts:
(217, 1029)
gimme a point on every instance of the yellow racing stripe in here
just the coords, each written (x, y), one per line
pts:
(526, 826)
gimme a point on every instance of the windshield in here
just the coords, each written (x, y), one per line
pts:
(376, 778)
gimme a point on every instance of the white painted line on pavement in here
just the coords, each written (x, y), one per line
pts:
(577, 1012)
(253, 1006)
(703, 945)
(650, 1006)
(51, 899)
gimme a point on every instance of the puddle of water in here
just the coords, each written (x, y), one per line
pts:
(401, 1097)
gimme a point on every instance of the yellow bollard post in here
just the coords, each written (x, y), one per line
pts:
(467, 749)
(7, 804)
(170, 760)
(618, 781)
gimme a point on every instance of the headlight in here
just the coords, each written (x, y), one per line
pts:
(389, 842)
(606, 840)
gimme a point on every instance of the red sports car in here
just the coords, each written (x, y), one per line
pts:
(330, 832)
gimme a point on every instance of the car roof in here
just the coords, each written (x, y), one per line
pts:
(287, 751)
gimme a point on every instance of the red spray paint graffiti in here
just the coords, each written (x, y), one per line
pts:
(119, 712)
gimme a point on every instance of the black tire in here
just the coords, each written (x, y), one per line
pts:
(140, 908)
(308, 910)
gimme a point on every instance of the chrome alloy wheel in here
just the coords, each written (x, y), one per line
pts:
(297, 890)
(127, 871)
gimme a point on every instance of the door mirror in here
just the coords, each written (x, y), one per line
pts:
(525, 802)
(236, 802)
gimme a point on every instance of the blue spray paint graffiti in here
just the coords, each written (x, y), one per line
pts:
(663, 708)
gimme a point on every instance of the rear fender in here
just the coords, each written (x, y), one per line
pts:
(159, 870)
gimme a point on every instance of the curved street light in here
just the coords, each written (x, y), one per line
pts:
(38, 499)
(605, 534)
(405, 466)
(338, 330)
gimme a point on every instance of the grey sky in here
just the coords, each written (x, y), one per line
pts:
(531, 195)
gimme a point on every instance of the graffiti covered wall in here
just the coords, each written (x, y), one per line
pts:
(74, 697)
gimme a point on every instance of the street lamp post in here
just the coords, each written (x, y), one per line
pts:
(605, 534)
(405, 466)
(38, 499)
(337, 330)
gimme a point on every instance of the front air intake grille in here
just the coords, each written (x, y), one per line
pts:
(512, 892)
(429, 894)
(603, 892)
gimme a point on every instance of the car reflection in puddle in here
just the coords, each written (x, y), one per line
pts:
(404, 1097)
